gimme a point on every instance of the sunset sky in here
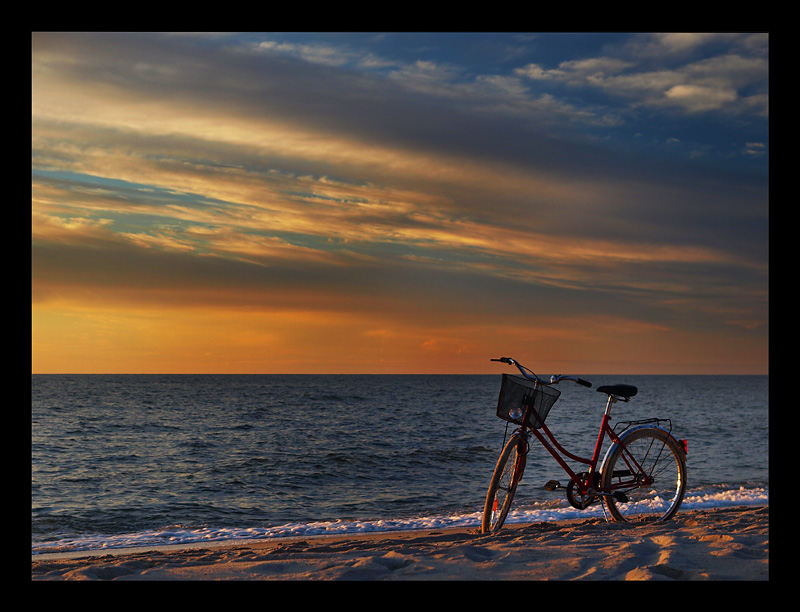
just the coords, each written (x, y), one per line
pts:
(399, 202)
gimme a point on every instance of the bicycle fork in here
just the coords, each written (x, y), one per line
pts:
(519, 466)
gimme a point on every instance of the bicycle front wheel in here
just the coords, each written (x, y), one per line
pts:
(647, 474)
(507, 475)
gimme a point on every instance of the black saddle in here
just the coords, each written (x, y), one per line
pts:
(618, 390)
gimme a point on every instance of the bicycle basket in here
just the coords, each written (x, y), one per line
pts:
(516, 393)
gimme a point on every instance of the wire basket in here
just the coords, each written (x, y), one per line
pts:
(516, 393)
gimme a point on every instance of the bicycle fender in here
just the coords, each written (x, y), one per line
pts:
(627, 433)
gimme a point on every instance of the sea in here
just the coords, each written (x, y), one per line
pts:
(132, 461)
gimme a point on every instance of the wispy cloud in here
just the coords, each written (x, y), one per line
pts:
(261, 173)
(661, 72)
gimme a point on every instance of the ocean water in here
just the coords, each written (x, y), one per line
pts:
(123, 461)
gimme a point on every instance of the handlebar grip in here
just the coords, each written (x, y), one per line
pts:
(502, 359)
(585, 383)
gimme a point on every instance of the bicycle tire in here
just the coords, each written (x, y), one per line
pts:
(507, 474)
(663, 460)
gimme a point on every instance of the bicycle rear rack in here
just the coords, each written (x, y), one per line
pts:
(629, 424)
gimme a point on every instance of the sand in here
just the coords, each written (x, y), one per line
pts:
(715, 544)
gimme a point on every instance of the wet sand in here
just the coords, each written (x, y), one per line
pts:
(717, 544)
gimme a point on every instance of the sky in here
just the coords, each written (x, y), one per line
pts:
(400, 202)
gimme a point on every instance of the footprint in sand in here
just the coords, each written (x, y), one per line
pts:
(476, 553)
(375, 567)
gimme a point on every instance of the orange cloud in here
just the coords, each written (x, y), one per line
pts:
(182, 225)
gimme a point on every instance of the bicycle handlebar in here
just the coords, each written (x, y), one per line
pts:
(554, 379)
(580, 381)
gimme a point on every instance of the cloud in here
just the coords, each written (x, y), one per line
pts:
(318, 53)
(756, 149)
(419, 196)
(660, 71)
(699, 98)
(685, 44)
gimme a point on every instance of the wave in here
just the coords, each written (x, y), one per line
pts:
(716, 496)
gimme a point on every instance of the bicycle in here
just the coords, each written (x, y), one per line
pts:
(642, 476)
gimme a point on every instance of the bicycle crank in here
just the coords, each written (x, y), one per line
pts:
(618, 495)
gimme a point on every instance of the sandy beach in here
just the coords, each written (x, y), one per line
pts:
(716, 544)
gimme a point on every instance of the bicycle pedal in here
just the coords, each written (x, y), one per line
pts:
(621, 497)
(552, 485)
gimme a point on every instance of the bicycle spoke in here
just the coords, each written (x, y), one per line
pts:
(504, 483)
(655, 492)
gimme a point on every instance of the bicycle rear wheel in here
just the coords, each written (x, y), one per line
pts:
(653, 493)
(507, 475)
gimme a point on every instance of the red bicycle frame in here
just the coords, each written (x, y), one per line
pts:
(605, 429)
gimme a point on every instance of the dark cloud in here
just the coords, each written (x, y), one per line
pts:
(425, 190)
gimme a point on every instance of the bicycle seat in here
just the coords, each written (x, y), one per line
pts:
(618, 390)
